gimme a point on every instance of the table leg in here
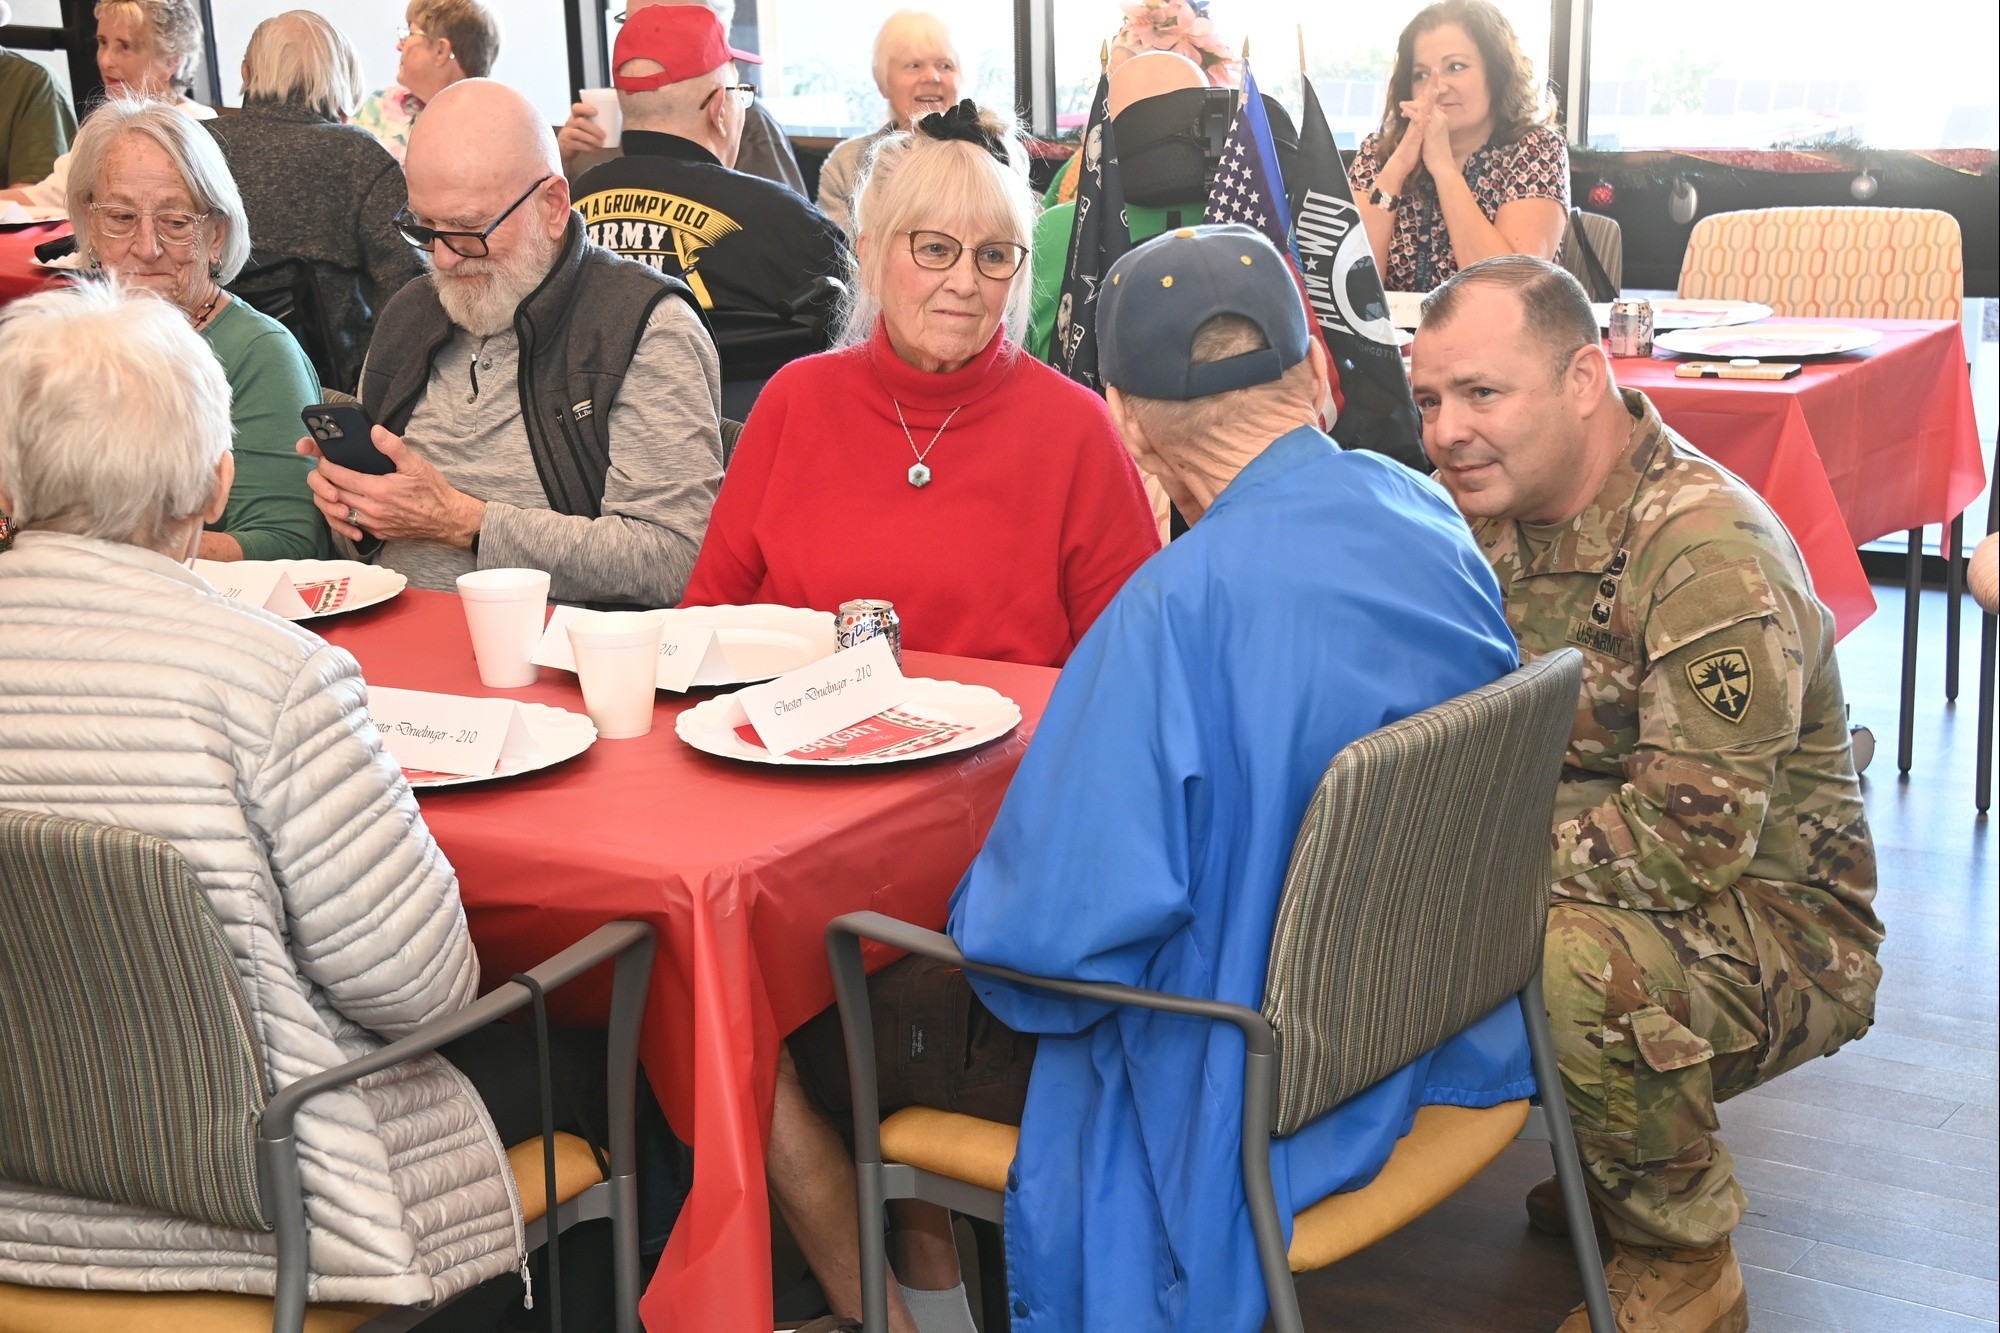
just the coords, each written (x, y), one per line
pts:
(1913, 589)
(1954, 591)
(1982, 792)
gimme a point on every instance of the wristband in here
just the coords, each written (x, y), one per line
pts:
(1386, 202)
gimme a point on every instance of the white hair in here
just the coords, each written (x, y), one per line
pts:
(910, 32)
(113, 413)
(175, 26)
(299, 57)
(196, 157)
(912, 182)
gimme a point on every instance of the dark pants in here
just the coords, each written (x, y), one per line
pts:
(936, 1045)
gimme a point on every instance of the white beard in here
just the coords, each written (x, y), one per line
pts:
(481, 295)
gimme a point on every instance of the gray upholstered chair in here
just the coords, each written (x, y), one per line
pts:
(1594, 253)
(1415, 903)
(134, 1076)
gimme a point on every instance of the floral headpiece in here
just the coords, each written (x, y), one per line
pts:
(1180, 26)
(962, 122)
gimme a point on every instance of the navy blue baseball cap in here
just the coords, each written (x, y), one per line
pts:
(1160, 293)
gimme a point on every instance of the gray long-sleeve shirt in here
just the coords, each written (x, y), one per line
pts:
(666, 465)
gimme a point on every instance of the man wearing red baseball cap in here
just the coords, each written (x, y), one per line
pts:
(765, 152)
(675, 201)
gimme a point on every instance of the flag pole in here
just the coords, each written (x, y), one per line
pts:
(1103, 56)
(1302, 50)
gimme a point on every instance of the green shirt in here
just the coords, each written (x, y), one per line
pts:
(36, 123)
(1051, 256)
(271, 513)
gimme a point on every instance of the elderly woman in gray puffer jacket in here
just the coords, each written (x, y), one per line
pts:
(317, 189)
(131, 692)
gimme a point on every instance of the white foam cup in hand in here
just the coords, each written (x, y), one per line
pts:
(617, 663)
(504, 609)
(610, 118)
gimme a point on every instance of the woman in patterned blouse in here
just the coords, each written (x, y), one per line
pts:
(1467, 164)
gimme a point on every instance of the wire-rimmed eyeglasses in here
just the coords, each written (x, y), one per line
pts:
(464, 244)
(744, 93)
(173, 226)
(998, 260)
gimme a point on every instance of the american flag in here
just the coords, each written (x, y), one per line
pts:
(1248, 187)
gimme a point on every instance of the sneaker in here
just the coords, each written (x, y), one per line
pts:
(1546, 1215)
(1672, 1291)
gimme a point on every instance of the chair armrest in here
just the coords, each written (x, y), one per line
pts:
(603, 943)
(850, 984)
(278, 1183)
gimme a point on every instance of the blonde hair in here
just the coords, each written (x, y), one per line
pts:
(175, 26)
(470, 27)
(910, 32)
(299, 57)
(912, 182)
(113, 413)
(197, 158)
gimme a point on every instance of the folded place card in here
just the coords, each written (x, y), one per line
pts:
(815, 701)
(684, 650)
(264, 583)
(449, 733)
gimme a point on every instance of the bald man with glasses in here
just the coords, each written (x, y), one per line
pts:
(544, 402)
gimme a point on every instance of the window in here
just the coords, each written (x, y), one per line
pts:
(1726, 74)
(44, 14)
(818, 75)
(534, 45)
(1350, 52)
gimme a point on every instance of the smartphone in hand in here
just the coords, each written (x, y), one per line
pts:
(342, 432)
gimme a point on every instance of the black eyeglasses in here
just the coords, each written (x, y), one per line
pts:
(998, 260)
(744, 93)
(464, 244)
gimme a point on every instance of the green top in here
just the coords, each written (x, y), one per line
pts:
(36, 123)
(1051, 255)
(270, 512)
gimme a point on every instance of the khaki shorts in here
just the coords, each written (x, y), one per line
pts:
(935, 1045)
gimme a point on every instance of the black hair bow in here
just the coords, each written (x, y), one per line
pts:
(962, 122)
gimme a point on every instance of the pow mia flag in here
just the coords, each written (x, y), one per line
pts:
(1097, 237)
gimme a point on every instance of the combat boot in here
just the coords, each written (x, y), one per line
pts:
(1545, 1211)
(1672, 1291)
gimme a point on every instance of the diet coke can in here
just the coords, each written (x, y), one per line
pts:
(1632, 327)
(860, 621)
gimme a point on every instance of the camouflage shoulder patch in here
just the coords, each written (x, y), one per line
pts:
(1724, 682)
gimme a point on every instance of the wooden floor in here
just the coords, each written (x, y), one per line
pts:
(1872, 1176)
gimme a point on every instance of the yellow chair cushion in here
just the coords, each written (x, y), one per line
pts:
(1445, 1149)
(946, 1143)
(43, 1309)
(576, 1171)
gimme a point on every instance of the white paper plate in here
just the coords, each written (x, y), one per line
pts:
(1769, 342)
(14, 216)
(1406, 309)
(987, 714)
(1672, 312)
(762, 641)
(333, 586)
(561, 734)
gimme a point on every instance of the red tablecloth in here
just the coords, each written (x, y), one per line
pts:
(19, 274)
(739, 867)
(1854, 448)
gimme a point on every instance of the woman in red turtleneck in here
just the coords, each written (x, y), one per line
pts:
(932, 462)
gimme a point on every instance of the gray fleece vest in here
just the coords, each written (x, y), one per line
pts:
(577, 332)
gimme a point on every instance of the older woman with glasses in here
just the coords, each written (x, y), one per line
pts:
(931, 461)
(153, 202)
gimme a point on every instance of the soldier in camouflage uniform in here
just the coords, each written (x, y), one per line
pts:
(1713, 875)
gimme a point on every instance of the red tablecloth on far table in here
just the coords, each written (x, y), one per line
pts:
(738, 866)
(1854, 448)
(19, 274)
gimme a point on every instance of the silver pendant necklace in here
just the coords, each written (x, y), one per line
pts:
(920, 475)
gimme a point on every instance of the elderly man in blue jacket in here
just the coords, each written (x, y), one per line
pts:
(1319, 595)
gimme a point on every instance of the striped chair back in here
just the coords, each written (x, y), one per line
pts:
(1830, 262)
(1418, 889)
(132, 1073)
